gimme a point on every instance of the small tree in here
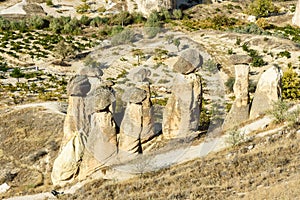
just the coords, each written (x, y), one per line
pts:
(176, 42)
(63, 50)
(17, 73)
(153, 24)
(159, 54)
(137, 53)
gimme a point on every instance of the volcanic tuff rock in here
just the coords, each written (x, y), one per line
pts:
(296, 18)
(88, 126)
(181, 114)
(188, 61)
(137, 124)
(267, 92)
(239, 111)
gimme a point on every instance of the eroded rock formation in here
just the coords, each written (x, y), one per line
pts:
(267, 92)
(137, 124)
(239, 111)
(89, 129)
(182, 112)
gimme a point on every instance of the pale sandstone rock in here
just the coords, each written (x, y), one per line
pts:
(181, 114)
(239, 111)
(67, 163)
(240, 59)
(296, 18)
(267, 92)
(137, 124)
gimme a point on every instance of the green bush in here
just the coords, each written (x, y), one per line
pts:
(290, 85)
(153, 25)
(126, 36)
(284, 54)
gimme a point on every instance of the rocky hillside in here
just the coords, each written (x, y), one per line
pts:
(194, 104)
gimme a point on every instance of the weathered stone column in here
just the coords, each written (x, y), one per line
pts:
(136, 126)
(239, 111)
(182, 112)
(267, 92)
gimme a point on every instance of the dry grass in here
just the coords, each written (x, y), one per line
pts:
(273, 165)
(28, 138)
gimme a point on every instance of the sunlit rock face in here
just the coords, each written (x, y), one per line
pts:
(296, 18)
(239, 111)
(267, 92)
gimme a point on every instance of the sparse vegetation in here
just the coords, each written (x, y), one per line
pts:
(229, 83)
(235, 138)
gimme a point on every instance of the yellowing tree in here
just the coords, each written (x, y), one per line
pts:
(261, 8)
(290, 85)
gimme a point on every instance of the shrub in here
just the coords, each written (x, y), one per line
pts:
(235, 137)
(153, 25)
(261, 8)
(290, 85)
(126, 36)
(280, 111)
(210, 65)
(177, 13)
(82, 8)
(49, 3)
(284, 54)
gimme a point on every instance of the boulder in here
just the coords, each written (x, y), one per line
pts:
(78, 86)
(188, 62)
(91, 72)
(240, 59)
(296, 17)
(267, 92)
(134, 95)
(104, 97)
(181, 114)
(239, 111)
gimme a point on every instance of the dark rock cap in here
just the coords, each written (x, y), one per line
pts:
(103, 98)
(188, 61)
(78, 86)
(134, 95)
